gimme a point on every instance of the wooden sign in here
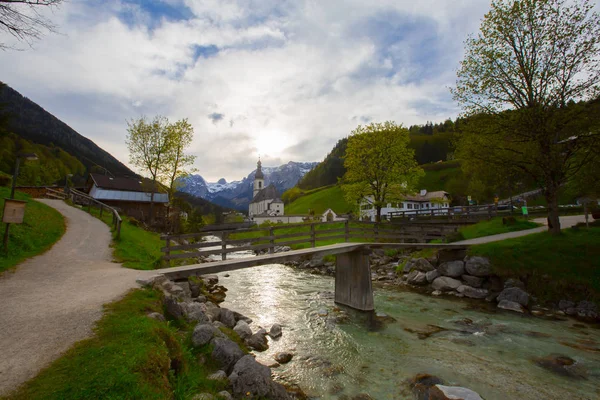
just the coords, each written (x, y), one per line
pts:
(14, 211)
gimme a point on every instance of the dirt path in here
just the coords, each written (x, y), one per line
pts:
(53, 300)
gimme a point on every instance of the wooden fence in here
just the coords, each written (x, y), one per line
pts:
(451, 213)
(85, 200)
(259, 239)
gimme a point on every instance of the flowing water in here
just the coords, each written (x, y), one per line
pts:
(342, 352)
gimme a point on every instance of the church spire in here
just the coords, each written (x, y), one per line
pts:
(259, 179)
(259, 173)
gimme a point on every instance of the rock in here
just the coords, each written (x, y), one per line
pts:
(316, 262)
(511, 306)
(218, 376)
(452, 269)
(213, 311)
(173, 308)
(200, 299)
(441, 392)
(564, 304)
(210, 280)
(431, 275)
(511, 282)
(473, 281)
(283, 357)
(492, 297)
(203, 334)
(281, 249)
(242, 317)
(422, 383)
(436, 293)
(251, 379)
(587, 305)
(493, 283)
(226, 353)
(560, 364)
(203, 396)
(478, 266)
(322, 312)
(167, 285)
(444, 283)
(218, 324)
(224, 395)
(416, 277)
(195, 312)
(176, 290)
(422, 265)
(408, 266)
(258, 341)
(587, 314)
(227, 318)
(275, 331)
(195, 287)
(153, 280)
(515, 295)
(471, 292)
(242, 329)
(157, 316)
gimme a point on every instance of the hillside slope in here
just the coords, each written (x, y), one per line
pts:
(320, 200)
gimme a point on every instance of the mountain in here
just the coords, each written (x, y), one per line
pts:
(238, 194)
(329, 170)
(30, 121)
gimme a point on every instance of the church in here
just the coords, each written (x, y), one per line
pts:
(265, 200)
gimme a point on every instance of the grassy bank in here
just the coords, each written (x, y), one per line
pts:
(131, 356)
(553, 267)
(494, 226)
(42, 227)
(320, 200)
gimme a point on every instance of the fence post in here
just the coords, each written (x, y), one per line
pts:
(312, 235)
(376, 230)
(168, 251)
(272, 240)
(223, 245)
(118, 228)
(489, 212)
(346, 231)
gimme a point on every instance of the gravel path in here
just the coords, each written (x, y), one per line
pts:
(565, 222)
(53, 300)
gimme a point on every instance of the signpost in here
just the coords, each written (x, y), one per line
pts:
(14, 211)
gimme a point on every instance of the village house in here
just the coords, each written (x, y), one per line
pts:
(424, 200)
(129, 195)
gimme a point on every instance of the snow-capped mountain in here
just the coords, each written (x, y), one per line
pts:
(238, 194)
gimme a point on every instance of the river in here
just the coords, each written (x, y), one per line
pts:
(340, 353)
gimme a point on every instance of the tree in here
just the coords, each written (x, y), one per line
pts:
(379, 165)
(149, 145)
(525, 76)
(180, 135)
(23, 20)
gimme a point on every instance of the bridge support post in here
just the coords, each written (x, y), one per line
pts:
(353, 280)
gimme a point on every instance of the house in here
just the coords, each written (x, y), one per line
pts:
(330, 215)
(129, 195)
(280, 219)
(424, 200)
(265, 200)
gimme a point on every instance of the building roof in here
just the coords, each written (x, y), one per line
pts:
(267, 193)
(259, 173)
(428, 196)
(127, 195)
(122, 183)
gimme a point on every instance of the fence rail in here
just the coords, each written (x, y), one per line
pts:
(452, 213)
(309, 233)
(85, 200)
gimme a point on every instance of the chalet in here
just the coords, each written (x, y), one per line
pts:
(130, 195)
(424, 200)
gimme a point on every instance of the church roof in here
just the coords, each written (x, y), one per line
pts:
(267, 193)
(259, 173)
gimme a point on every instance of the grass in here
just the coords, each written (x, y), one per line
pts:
(131, 356)
(42, 227)
(492, 227)
(566, 266)
(437, 176)
(320, 200)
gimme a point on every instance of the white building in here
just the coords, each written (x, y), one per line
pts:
(329, 215)
(265, 201)
(424, 200)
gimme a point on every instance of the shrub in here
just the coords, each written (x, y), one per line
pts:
(5, 180)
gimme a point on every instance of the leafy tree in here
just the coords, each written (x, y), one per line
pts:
(523, 73)
(22, 19)
(379, 165)
(180, 135)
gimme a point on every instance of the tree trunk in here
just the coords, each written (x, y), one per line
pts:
(152, 204)
(553, 219)
(378, 216)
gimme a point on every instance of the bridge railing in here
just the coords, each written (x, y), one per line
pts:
(85, 200)
(451, 213)
(297, 235)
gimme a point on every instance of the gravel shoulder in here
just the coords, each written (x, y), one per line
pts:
(53, 300)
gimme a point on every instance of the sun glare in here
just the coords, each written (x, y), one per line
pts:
(271, 143)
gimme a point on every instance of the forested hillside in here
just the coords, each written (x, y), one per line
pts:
(327, 172)
(30, 121)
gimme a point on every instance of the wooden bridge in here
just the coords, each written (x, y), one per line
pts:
(353, 273)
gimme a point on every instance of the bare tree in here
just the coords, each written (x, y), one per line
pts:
(23, 19)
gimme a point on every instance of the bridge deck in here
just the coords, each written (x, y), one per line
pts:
(239, 263)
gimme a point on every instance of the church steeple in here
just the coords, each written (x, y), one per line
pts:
(259, 179)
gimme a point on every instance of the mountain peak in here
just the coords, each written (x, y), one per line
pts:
(222, 181)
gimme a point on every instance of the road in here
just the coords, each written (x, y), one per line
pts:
(53, 300)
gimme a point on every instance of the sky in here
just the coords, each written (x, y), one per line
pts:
(283, 79)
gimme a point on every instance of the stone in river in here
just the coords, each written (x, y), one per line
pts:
(422, 265)
(511, 306)
(431, 275)
(471, 292)
(452, 269)
(417, 278)
(441, 392)
(473, 281)
(561, 365)
(514, 294)
(445, 283)
(283, 357)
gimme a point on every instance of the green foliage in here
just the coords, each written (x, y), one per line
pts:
(431, 148)
(320, 200)
(42, 227)
(328, 171)
(554, 267)
(5, 179)
(379, 165)
(291, 195)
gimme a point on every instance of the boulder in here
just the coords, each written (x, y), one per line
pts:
(258, 341)
(316, 262)
(472, 292)
(560, 365)
(587, 305)
(213, 311)
(422, 383)
(227, 317)
(422, 265)
(514, 294)
(417, 278)
(511, 306)
(473, 281)
(153, 280)
(156, 316)
(251, 379)
(200, 299)
(275, 331)
(203, 334)
(218, 376)
(224, 395)
(511, 282)
(242, 317)
(226, 353)
(478, 266)
(195, 312)
(243, 329)
(452, 269)
(173, 308)
(195, 287)
(283, 357)
(441, 392)
(444, 283)
(431, 275)
(408, 266)
(210, 280)
(203, 396)
(564, 304)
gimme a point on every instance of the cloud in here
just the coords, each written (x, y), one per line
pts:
(290, 78)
